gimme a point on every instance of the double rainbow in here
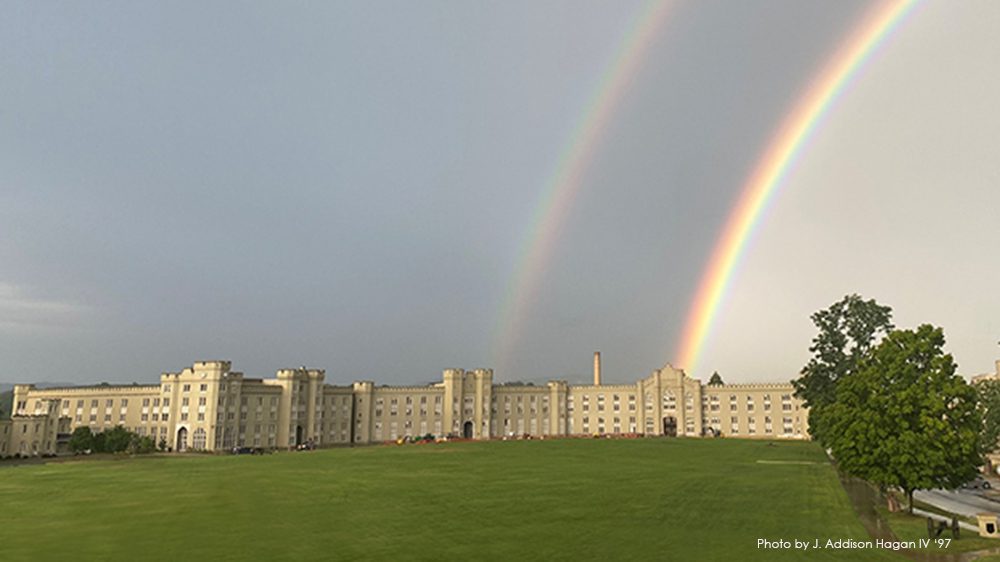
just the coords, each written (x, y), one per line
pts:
(564, 183)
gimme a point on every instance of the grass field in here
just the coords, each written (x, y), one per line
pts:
(647, 499)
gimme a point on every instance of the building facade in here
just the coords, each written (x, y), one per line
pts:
(210, 407)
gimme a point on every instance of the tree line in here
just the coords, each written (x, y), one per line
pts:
(115, 440)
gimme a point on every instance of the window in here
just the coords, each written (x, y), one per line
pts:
(184, 401)
(93, 403)
(124, 402)
(166, 388)
(203, 387)
(201, 401)
(198, 440)
(156, 401)
(166, 402)
(109, 403)
(186, 388)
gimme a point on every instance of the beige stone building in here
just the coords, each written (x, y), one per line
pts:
(210, 407)
(988, 376)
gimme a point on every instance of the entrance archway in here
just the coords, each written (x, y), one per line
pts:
(467, 430)
(670, 426)
(182, 440)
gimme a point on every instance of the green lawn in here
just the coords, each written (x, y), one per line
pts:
(649, 499)
(913, 527)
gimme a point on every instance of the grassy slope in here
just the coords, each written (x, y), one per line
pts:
(551, 500)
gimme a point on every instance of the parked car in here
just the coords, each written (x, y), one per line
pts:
(977, 483)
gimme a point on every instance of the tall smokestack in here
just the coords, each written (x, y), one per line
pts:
(597, 368)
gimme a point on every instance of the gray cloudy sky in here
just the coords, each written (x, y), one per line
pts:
(347, 185)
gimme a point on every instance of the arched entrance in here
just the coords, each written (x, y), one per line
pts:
(182, 440)
(298, 435)
(467, 430)
(670, 426)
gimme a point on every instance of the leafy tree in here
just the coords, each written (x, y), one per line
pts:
(847, 332)
(904, 418)
(989, 408)
(117, 439)
(81, 439)
(716, 379)
(99, 442)
(141, 445)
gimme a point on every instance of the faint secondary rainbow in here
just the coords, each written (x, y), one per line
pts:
(560, 189)
(796, 129)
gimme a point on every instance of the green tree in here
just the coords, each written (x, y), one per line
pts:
(117, 439)
(716, 379)
(99, 442)
(847, 332)
(141, 445)
(904, 418)
(81, 439)
(988, 392)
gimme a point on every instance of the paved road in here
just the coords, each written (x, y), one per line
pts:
(963, 502)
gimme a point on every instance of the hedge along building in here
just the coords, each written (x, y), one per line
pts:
(210, 407)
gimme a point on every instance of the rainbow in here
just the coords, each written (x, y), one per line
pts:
(565, 180)
(793, 134)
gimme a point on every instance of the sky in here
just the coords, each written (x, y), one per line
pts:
(350, 186)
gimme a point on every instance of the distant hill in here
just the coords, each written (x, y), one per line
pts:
(6, 403)
(5, 386)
